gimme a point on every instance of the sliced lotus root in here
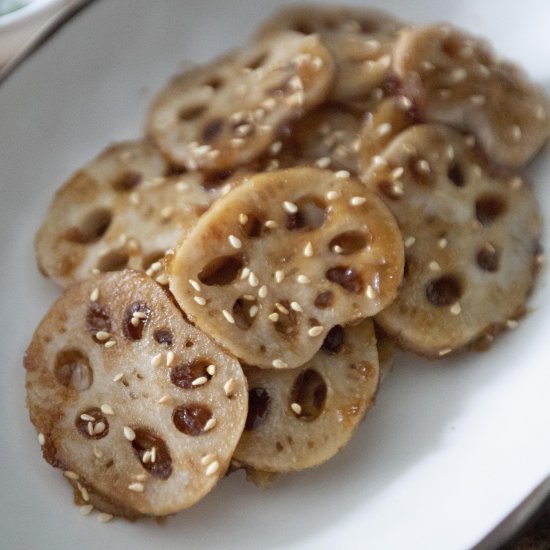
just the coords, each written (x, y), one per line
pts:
(93, 226)
(227, 113)
(360, 40)
(471, 241)
(273, 265)
(135, 405)
(459, 81)
(299, 418)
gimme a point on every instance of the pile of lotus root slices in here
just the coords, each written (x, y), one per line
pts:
(235, 281)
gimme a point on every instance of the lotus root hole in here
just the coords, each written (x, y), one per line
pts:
(311, 214)
(92, 423)
(72, 369)
(287, 322)
(451, 45)
(151, 258)
(350, 242)
(221, 271)
(489, 208)
(258, 408)
(135, 320)
(347, 277)
(164, 336)
(244, 312)
(98, 319)
(303, 27)
(389, 190)
(456, 175)
(369, 26)
(127, 181)
(310, 392)
(191, 419)
(324, 299)
(157, 462)
(488, 259)
(254, 226)
(115, 260)
(212, 130)
(215, 82)
(257, 62)
(92, 227)
(191, 113)
(334, 340)
(184, 374)
(444, 291)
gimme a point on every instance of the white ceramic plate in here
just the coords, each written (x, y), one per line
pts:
(449, 449)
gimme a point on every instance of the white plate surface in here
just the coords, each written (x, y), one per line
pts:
(449, 449)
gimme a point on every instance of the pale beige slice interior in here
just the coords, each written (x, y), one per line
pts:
(360, 40)
(299, 418)
(95, 223)
(227, 113)
(273, 265)
(459, 80)
(140, 408)
(471, 241)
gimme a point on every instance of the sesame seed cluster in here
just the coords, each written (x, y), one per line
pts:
(237, 278)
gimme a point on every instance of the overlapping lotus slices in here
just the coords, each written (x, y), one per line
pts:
(360, 40)
(280, 260)
(458, 80)
(118, 211)
(299, 418)
(228, 113)
(471, 241)
(141, 410)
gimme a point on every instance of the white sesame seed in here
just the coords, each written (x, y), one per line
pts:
(290, 207)
(235, 242)
(84, 493)
(303, 279)
(323, 162)
(262, 293)
(450, 152)
(182, 186)
(253, 280)
(170, 356)
(338, 249)
(104, 518)
(207, 459)
(249, 297)
(228, 317)
(69, 474)
(199, 381)
(211, 370)
(243, 218)
(141, 477)
(308, 250)
(156, 360)
(332, 195)
(229, 387)
(195, 285)
(383, 129)
(409, 241)
(199, 300)
(155, 266)
(41, 439)
(442, 243)
(102, 335)
(139, 315)
(434, 266)
(153, 454)
(275, 147)
(210, 423)
(95, 271)
(118, 377)
(273, 317)
(357, 201)
(315, 331)
(162, 279)
(253, 311)
(296, 408)
(478, 99)
(90, 428)
(458, 75)
(423, 165)
(427, 66)
(516, 132)
(94, 295)
(295, 306)
(135, 321)
(470, 141)
(271, 224)
(245, 273)
(279, 276)
(137, 487)
(516, 183)
(98, 453)
(540, 113)
(455, 309)
(377, 160)
(164, 399)
(107, 409)
(370, 292)
(212, 468)
(85, 510)
(129, 434)
(279, 364)
(282, 308)
(512, 324)
(396, 173)
(87, 417)
(444, 352)
(342, 174)
(99, 428)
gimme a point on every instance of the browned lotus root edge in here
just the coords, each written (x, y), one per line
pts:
(458, 80)
(299, 418)
(140, 410)
(119, 211)
(227, 113)
(273, 265)
(360, 40)
(471, 238)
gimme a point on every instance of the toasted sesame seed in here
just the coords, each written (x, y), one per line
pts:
(107, 409)
(163, 400)
(229, 387)
(235, 242)
(357, 201)
(323, 162)
(94, 295)
(271, 224)
(332, 195)
(315, 331)
(129, 434)
(87, 417)
(162, 279)
(253, 280)
(118, 377)
(409, 241)
(370, 292)
(102, 335)
(308, 250)
(444, 352)
(207, 459)
(383, 129)
(199, 300)
(279, 364)
(303, 279)
(137, 487)
(295, 306)
(296, 408)
(342, 174)
(273, 317)
(199, 381)
(104, 518)
(279, 276)
(170, 356)
(41, 439)
(290, 207)
(512, 323)
(455, 309)
(85, 510)
(210, 423)
(71, 475)
(434, 266)
(228, 317)
(212, 468)
(243, 218)
(156, 360)
(442, 243)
